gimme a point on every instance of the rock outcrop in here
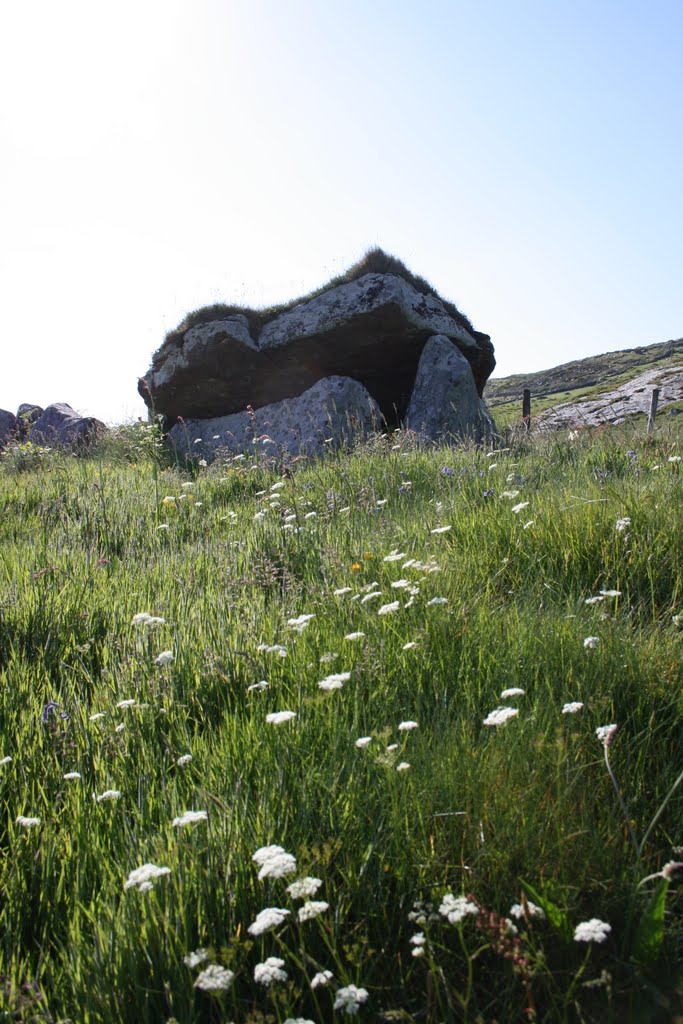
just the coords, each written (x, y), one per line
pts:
(371, 326)
(8, 422)
(332, 412)
(59, 424)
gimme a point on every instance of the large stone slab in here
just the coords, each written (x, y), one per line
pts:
(61, 425)
(445, 403)
(372, 329)
(332, 413)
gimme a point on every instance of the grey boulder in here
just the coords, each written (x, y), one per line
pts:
(444, 403)
(335, 411)
(60, 425)
(8, 423)
(27, 414)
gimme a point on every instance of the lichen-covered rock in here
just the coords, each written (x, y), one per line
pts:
(334, 412)
(372, 328)
(445, 403)
(8, 423)
(60, 425)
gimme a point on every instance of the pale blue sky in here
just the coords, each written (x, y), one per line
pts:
(526, 157)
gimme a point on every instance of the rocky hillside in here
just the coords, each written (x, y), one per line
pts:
(601, 389)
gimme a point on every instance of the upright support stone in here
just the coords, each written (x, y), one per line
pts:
(653, 410)
(526, 409)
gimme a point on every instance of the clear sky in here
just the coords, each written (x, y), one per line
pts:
(525, 156)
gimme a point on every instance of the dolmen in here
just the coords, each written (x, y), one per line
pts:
(57, 426)
(376, 348)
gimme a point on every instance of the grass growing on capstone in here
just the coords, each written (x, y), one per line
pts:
(526, 810)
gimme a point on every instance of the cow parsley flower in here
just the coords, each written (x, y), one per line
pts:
(514, 691)
(6, 759)
(404, 766)
(441, 529)
(350, 998)
(270, 971)
(371, 596)
(189, 818)
(354, 636)
(130, 702)
(394, 556)
(592, 931)
(196, 958)
(183, 760)
(572, 707)
(301, 622)
(622, 525)
(500, 716)
(437, 600)
(165, 658)
(456, 908)
(606, 734)
(321, 979)
(341, 591)
(311, 909)
(409, 646)
(591, 642)
(271, 917)
(303, 888)
(517, 911)
(387, 609)
(407, 726)
(27, 822)
(72, 775)
(143, 876)
(278, 866)
(214, 978)
(96, 717)
(334, 681)
(109, 794)
(610, 593)
(520, 506)
(262, 685)
(279, 717)
(363, 741)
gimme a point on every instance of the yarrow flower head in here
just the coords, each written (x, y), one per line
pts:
(592, 931)
(456, 908)
(278, 866)
(270, 971)
(109, 794)
(513, 691)
(407, 726)
(300, 623)
(214, 978)
(304, 888)
(622, 525)
(72, 775)
(350, 998)
(196, 958)
(27, 822)
(321, 979)
(591, 642)
(183, 760)
(334, 681)
(500, 716)
(189, 818)
(280, 717)
(143, 876)
(606, 734)
(572, 707)
(363, 741)
(387, 609)
(165, 658)
(311, 909)
(528, 909)
(271, 917)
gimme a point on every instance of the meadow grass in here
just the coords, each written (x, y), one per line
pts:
(482, 564)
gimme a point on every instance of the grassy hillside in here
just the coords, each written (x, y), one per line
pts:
(577, 381)
(197, 666)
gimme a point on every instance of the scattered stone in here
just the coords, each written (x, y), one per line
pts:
(27, 414)
(59, 424)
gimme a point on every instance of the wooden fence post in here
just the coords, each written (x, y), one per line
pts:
(653, 410)
(526, 409)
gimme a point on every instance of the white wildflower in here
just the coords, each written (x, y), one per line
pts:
(514, 691)
(606, 734)
(674, 458)
(404, 766)
(591, 642)
(407, 726)
(440, 529)
(270, 971)
(520, 506)
(354, 636)
(363, 741)
(214, 978)
(509, 494)
(592, 931)
(394, 556)
(196, 958)
(310, 515)
(500, 716)
(183, 760)
(456, 908)
(530, 523)
(130, 702)
(418, 939)
(622, 524)
(392, 747)
(120, 727)
(301, 622)
(303, 888)
(27, 822)
(350, 998)
(262, 685)
(109, 794)
(572, 707)
(321, 979)
(437, 600)
(311, 909)
(189, 818)
(271, 917)
(72, 775)
(594, 600)
(342, 590)
(401, 584)
(387, 609)
(96, 717)
(278, 717)
(334, 681)
(610, 593)
(144, 876)
(6, 759)
(371, 596)
(278, 866)
(409, 646)
(165, 658)
(517, 911)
